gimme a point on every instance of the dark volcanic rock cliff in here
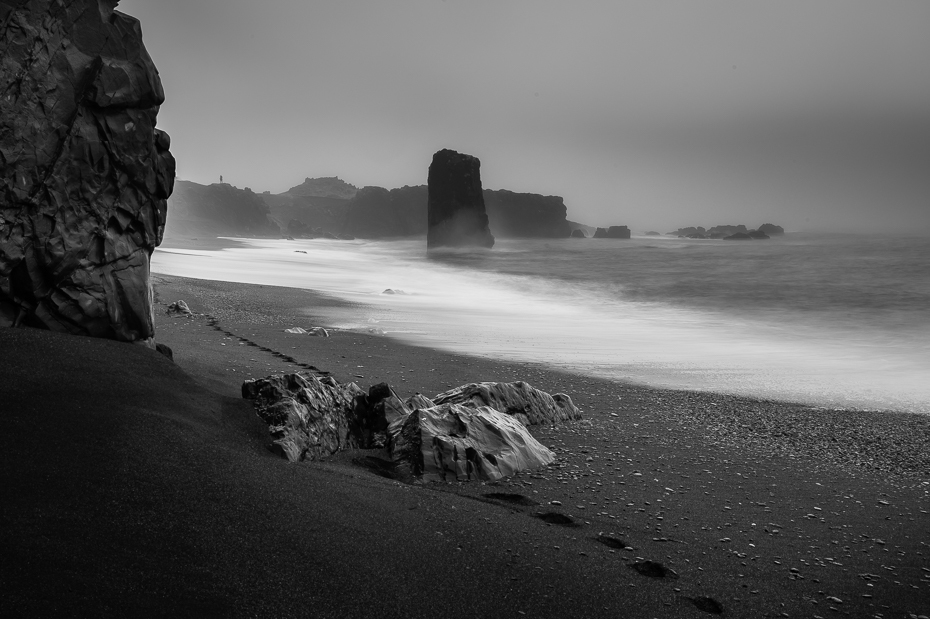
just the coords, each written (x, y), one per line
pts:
(526, 214)
(217, 209)
(376, 212)
(456, 213)
(84, 174)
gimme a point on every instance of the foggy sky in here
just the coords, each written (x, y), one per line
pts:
(809, 114)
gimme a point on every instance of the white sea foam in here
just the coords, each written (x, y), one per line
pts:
(574, 326)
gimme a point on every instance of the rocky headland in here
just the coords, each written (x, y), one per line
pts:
(729, 232)
(85, 175)
(219, 209)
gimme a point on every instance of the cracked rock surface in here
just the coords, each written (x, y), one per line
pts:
(84, 173)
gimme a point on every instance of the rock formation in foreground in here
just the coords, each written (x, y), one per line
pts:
(451, 442)
(456, 216)
(477, 431)
(85, 174)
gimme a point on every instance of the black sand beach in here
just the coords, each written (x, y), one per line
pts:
(137, 486)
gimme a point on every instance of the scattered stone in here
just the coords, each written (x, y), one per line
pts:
(165, 350)
(179, 307)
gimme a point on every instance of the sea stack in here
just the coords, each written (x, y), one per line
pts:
(85, 175)
(456, 215)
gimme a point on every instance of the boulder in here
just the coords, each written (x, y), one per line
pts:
(85, 175)
(578, 234)
(456, 216)
(179, 307)
(309, 418)
(451, 442)
(520, 400)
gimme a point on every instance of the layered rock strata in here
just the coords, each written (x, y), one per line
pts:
(84, 173)
(456, 215)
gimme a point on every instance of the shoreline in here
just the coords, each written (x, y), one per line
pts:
(670, 346)
(137, 485)
(881, 441)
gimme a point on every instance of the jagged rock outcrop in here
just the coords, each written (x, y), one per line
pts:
(309, 418)
(451, 442)
(456, 215)
(526, 215)
(84, 173)
(217, 209)
(458, 436)
(521, 400)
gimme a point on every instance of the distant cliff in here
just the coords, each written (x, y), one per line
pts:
(526, 214)
(376, 212)
(218, 209)
(333, 206)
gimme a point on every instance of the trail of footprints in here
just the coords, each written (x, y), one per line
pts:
(213, 322)
(650, 569)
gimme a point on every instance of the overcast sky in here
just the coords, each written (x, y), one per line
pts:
(810, 114)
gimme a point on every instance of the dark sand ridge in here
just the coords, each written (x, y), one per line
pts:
(142, 487)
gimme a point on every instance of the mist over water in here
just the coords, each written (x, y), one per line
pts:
(831, 321)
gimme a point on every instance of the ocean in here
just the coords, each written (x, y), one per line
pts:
(827, 320)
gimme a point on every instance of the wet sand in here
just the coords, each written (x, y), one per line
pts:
(141, 486)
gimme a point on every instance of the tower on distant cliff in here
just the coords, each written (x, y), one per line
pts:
(456, 215)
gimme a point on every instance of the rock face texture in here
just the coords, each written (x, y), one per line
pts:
(476, 431)
(456, 216)
(528, 405)
(451, 442)
(84, 173)
(308, 418)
